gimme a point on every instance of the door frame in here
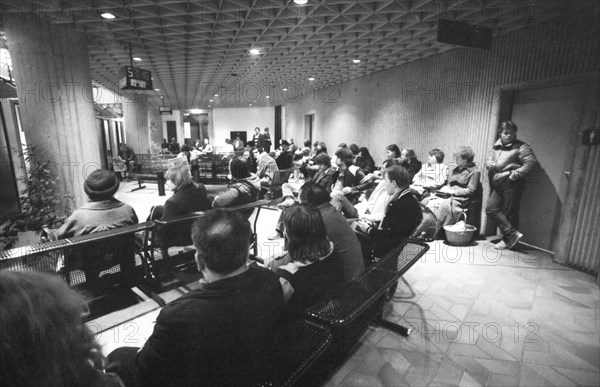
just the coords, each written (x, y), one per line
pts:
(502, 110)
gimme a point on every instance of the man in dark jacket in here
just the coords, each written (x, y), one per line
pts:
(207, 336)
(510, 162)
(285, 158)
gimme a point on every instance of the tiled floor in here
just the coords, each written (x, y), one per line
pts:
(480, 318)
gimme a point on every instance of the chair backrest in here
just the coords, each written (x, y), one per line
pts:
(295, 348)
(75, 259)
(344, 304)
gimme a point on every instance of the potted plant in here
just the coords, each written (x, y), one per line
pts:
(41, 205)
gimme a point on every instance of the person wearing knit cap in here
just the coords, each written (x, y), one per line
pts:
(102, 212)
(285, 158)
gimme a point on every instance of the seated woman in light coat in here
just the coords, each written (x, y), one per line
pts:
(451, 200)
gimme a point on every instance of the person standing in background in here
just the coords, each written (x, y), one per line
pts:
(267, 141)
(509, 163)
(258, 138)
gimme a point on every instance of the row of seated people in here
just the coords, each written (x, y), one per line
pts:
(204, 337)
(357, 189)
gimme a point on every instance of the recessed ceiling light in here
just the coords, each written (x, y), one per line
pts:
(268, 97)
(137, 59)
(216, 95)
(186, 114)
(284, 89)
(156, 89)
(210, 100)
(107, 15)
(311, 79)
(254, 51)
(355, 60)
(301, 2)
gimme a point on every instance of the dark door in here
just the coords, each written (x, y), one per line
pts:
(548, 119)
(277, 127)
(171, 130)
(241, 135)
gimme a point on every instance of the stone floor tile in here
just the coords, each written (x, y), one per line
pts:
(503, 381)
(542, 375)
(501, 367)
(396, 360)
(581, 377)
(389, 376)
(468, 350)
(493, 349)
(355, 379)
(371, 363)
(448, 373)
(468, 381)
(473, 368)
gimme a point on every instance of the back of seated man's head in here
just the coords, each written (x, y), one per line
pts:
(322, 159)
(345, 155)
(239, 167)
(313, 193)
(222, 240)
(389, 162)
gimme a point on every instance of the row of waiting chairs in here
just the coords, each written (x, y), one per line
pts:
(321, 338)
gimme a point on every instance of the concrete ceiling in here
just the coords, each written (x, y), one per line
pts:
(196, 49)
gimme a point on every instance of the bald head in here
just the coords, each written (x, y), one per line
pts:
(222, 239)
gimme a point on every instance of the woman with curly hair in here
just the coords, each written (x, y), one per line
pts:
(449, 201)
(44, 341)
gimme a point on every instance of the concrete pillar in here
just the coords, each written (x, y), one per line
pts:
(54, 85)
(135, 122)
(155, 124)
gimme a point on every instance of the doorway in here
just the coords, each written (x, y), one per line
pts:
(548, 119)
(309, 126)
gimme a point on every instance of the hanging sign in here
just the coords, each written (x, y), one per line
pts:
(133, 78)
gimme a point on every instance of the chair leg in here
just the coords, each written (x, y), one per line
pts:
(400, 329)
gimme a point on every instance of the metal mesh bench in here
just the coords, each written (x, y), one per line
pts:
(96, 264)
(349, 309)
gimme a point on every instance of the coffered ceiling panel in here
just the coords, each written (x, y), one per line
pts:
(196, 49)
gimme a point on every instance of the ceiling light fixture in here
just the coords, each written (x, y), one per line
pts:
(268, 97)
(311, 79)
(300, 2)
(254, 51)
(284, 89)
(355, 60)
(216, 95)
(156, 89)
(107, 15)
(210, 100)
(137, 59)
(195, 111)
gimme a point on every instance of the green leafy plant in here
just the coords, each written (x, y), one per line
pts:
(41, 204)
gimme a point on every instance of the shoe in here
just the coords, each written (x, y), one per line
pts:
(500, 245)
(275, 235)
(287, 203)
(512, 240)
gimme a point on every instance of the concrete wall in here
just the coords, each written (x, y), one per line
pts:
(450, 99)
